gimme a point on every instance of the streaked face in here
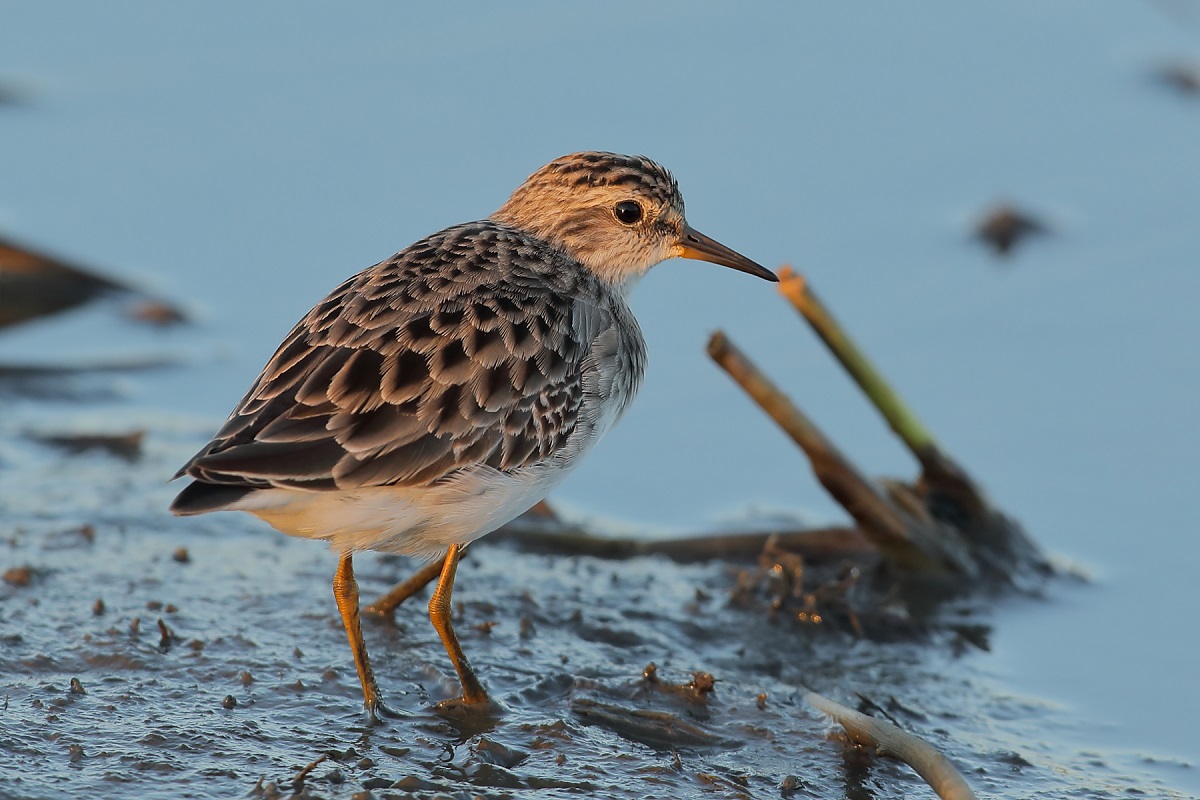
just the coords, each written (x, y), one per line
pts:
(619, 215)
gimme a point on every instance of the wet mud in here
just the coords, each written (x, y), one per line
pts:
(146, 656)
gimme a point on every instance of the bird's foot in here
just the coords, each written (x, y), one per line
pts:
(476, 709)
(379, 712)
(470, 718)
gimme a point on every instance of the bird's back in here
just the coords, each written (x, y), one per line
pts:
(480, 349)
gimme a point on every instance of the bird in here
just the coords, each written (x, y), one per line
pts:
(439, 394)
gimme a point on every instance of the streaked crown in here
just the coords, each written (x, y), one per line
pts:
(618, 215)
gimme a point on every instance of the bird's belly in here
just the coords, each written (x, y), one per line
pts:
(411, 521)
(424, 521)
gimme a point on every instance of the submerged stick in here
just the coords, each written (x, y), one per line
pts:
(302, 775)
(899, 416)
(889, 740)
(34, 284)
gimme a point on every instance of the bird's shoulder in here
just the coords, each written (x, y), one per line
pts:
(467, 348)
(484, 263)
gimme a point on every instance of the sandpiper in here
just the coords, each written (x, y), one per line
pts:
(439, 394)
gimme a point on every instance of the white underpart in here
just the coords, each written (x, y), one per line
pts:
(404, 520)
(424, 522)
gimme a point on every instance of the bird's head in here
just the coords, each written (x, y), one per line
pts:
(617, 215)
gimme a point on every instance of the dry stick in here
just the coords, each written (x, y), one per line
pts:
(880, 521)
(889, 740)
(819, 544)
(827, 544)
(900, 418)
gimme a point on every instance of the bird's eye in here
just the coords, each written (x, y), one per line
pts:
(627, 212)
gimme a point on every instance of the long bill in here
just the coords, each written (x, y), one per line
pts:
(694, 244)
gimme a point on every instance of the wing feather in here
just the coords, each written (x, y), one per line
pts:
(467, 348)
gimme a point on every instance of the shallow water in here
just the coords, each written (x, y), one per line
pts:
(244, 161)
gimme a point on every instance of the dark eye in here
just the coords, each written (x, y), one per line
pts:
(627, 212)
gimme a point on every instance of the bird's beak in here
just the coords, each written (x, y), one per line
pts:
(693, 244)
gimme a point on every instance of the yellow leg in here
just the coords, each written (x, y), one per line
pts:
(345, 591)
(386, 605)
(439, 615)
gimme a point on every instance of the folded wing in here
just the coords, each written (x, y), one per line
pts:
(427, 363)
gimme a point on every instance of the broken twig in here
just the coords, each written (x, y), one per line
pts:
(947, 492)
(898, 415)
(888, 740)
(890, 529)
